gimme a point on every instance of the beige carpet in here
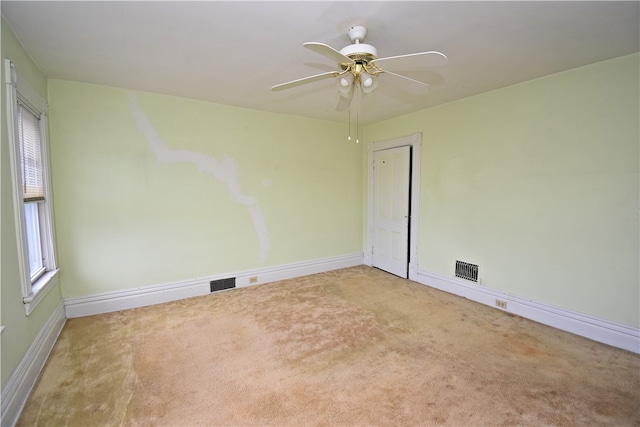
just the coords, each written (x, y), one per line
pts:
(351, 347)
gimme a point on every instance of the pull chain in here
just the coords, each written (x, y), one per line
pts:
(357, 116)
(349, 124)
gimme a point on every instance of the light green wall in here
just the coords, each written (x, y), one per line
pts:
(126, 218)
(537, 183)
(20, 330)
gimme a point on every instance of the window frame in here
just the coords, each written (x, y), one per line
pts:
(19, 91)
(34, 239)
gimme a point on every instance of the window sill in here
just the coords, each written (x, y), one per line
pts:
(40, 289)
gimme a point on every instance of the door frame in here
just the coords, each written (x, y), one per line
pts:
(414, 141)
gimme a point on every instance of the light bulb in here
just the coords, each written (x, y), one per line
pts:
(367, 82)
(345, 83)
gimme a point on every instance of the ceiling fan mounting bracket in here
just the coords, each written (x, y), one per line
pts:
(357, 33)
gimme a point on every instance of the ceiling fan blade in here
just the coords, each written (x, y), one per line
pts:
(412, 61)
(306, 80)
(329, 52)
(407, 78)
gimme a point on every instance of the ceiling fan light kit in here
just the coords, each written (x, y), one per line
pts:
(358, 63)
(345, 83)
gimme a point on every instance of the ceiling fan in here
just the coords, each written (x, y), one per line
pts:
(359, 66)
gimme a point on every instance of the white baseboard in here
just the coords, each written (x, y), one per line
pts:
(590, 327)
(150, 295)
(17, 389)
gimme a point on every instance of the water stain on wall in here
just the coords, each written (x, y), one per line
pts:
(224, 170)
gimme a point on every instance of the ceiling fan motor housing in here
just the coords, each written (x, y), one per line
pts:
(361, 50)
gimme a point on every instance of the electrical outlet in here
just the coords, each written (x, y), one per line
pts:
(501, 304)
(253, 279)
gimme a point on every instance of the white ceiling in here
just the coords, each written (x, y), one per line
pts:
(232, 52)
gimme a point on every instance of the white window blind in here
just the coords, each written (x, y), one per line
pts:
(30, 154)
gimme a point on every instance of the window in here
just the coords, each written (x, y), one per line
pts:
(27, 124)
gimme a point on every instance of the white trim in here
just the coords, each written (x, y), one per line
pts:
(415, 142)
(157, 294)
(48, 230)
(603, 331)
(17, 389)
(305, 268)
(28, 95)
(18, 203)
(40, 289)
(17, 88)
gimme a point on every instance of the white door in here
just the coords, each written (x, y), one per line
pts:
(391, 178)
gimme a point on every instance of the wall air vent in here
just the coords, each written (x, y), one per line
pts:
(467, 271)
(219, 285)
